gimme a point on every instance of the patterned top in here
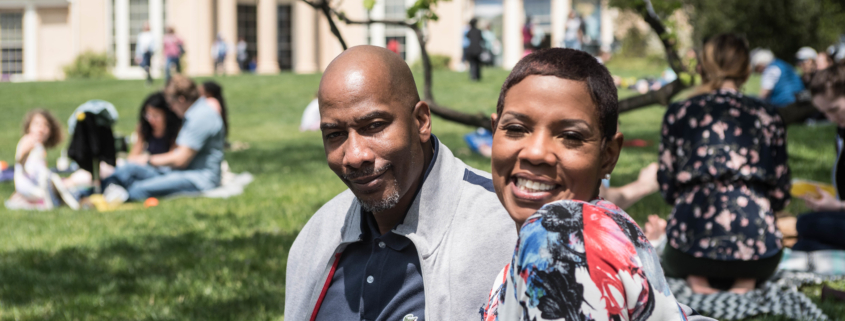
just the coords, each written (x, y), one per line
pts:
(582, 261)
(723, 167)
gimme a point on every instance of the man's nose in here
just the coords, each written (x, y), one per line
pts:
(357, 151)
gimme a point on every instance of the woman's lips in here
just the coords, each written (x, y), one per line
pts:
(530, 190)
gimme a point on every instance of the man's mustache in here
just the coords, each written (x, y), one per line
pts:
(370, 171)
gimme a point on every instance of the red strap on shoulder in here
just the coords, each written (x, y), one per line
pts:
(325, 287)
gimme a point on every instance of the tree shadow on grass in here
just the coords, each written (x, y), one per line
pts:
(189, 275)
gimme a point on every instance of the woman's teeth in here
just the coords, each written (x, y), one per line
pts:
(532, 186)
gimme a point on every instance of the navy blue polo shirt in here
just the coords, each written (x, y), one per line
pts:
(378, 278)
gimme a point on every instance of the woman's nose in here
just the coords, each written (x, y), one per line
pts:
(537, 150)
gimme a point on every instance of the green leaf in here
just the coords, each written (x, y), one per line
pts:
(369, 4)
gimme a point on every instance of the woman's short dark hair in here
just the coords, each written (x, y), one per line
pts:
(213, 89)
(573, 65)
(172, 122)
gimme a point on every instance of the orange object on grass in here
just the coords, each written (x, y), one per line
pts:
(151, 202)
(3, 165)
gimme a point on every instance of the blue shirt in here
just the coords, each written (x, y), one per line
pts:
(787, 85)
(202, 131)
(378, 278)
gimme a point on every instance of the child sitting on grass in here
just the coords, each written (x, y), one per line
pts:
(41, 131)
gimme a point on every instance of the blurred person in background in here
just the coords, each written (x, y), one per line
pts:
(144, 49)
(806, 58)
(475, 49)
(218, 53)
(823, 60)
(193, 165)
(173, 51)
(213, 94)
(723, 166)
(823, 229)
(574, 35)
(33, 190)
(242, 54)
(779, 83)
(157, 128)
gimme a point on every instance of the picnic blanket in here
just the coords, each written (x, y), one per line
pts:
(825, 262)
(231, 185)
(777, 296)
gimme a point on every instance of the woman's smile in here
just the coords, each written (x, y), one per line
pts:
(528, 188)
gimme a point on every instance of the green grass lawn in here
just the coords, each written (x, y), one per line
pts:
(225, 259)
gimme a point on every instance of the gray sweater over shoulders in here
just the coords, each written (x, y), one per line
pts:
(462, 233)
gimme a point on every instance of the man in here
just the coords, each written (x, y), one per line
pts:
(476, 47)
(144, 49)
(779, 82)
(806, 58)
(194, 165)
(419, 235)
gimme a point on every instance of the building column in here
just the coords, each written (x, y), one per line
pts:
(121, 37)
(513, 17)
(156, 19)
(559, 15)
(608, 15)
(377, 30)
(30, 42)
(413, 52)
(227, 26)
(304, 38)
(268, 42)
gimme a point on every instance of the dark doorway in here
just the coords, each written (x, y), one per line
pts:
(283, 35)
(247, 28)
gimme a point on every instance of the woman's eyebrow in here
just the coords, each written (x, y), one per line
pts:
(572, 122)
(518, 116)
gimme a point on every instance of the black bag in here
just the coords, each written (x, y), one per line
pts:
(92, 139)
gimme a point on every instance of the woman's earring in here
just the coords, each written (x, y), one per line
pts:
(607, 176)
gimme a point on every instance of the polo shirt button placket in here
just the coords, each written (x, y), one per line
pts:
(381, 244)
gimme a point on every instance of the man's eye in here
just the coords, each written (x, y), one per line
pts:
(333, 135)
(376, 125)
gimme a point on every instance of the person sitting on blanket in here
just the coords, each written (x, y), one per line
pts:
(157, 128)
(33, 189)
(723, 167)
(823, 229)
(578, 256)
(193, 166)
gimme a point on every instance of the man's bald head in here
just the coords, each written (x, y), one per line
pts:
(368, 72)
(376, 131)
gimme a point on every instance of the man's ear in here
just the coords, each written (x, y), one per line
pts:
(494, 122)
(422, 118)
(610, 154)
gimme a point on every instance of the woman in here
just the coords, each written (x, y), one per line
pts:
(823, 229)
(157, 127)
(723, 168)
(213, 94)
(578, 256)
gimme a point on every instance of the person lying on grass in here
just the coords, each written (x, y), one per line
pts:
(193, 165)
(578, 257)
(41, 131)
(419, 234)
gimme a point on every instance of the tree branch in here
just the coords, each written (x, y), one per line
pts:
(664, 95)
(475, 120)
(342, 16)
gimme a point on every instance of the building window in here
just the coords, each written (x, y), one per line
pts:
(395, 10)
(11, 43)
(247, 28)
(285, 43)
